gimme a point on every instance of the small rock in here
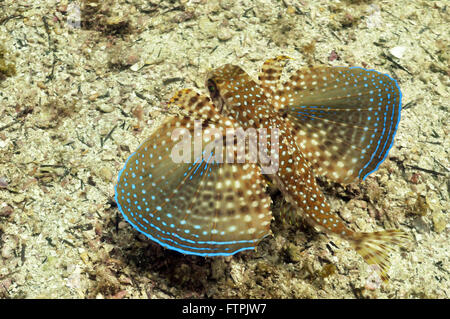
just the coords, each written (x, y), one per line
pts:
(218, 269)
(327, 270)
(224, 34)
(206, 26)
(226, 4)
(420, 225)
(74, 280)
(20, 278)
(93, 96)
(333, 56)
(105, 173)
(125, 280)
(212, 6)
(293, 253)
(264, 269)
(439, 221)
(41, 85)
(136, 67)
(122, 224)
(237, 273)
(421, 206)
(105, 108)
(84, 257)
(3, 182)
(290, 10)
(120, 295)
(398, 51)
(6, 211)
(416, 178)
(18, 198)
(373, 281)
(138, 112)
(8, 248)
(6, 252)
(6, 283)
(373, 18)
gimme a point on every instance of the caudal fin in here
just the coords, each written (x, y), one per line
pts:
(375, 248)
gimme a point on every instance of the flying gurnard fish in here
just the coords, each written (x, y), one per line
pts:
(338, 122)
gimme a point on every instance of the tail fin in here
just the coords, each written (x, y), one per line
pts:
(375, 247)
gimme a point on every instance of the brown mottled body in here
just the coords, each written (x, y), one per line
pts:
(246, 102)
(264, 106)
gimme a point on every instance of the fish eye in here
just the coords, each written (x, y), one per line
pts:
(212, 88)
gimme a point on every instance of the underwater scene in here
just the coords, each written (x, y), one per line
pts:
(210, 149)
